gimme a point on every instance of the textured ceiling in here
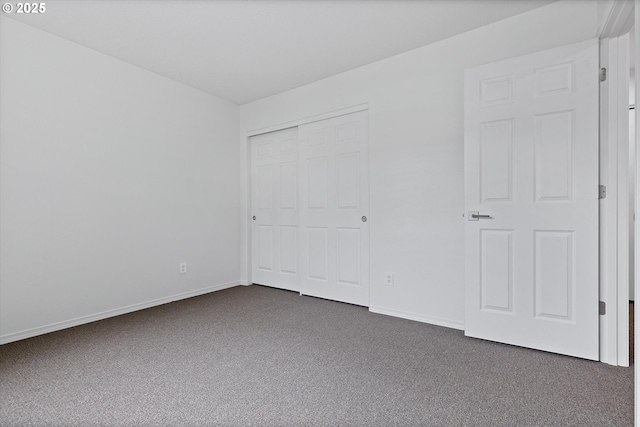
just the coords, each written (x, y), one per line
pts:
(244, 50)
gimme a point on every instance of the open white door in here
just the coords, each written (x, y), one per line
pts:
(274, 206)
(334, 209)
(531, 200)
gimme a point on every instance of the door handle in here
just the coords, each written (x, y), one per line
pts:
(475, 215)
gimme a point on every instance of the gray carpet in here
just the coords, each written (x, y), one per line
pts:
(265, 357)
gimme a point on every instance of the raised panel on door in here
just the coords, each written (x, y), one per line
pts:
(265, 244)
(554, 156)
(554, 275)
(316, 183)
(334, 197)
(348, 181)
(288, 185)
(289, 249)
(496, 270)
(496, 91)
(274, 209)
(531, 173)
(496, 161)
(318, 254)
(264, 187)
(348, 256)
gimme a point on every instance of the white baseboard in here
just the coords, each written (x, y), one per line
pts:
(16, 336)
(418, 318)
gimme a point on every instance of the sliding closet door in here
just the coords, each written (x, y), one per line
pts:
(334, 209)
(274, 205)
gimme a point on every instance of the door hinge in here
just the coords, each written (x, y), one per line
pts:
(602, 308)
(603, 74)
(602, 194)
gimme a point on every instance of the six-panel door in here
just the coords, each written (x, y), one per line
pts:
(274, 205)
(531, 165)
(334, 209)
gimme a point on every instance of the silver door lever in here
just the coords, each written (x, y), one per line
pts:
(475, 215)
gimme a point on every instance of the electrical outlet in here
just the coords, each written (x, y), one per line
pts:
(388, 279)
(183, 268)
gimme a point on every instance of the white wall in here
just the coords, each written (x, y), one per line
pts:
(109, 177)
(416, 151)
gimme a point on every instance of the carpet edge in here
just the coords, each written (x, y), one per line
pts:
(52, 327)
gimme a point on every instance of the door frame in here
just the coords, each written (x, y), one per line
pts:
(246, 259)
(614, 208)
(614, 142)
(637, 209)
(617, 16)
